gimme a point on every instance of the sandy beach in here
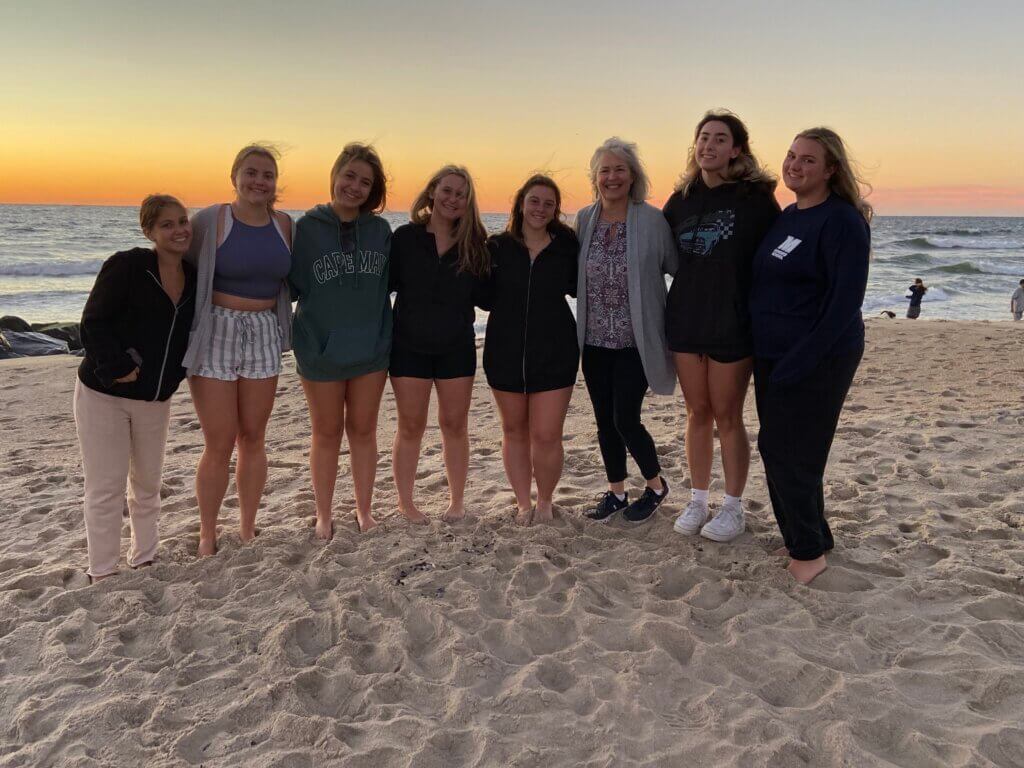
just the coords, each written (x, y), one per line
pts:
(576, 644)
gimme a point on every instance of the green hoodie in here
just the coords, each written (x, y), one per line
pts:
(342, 326)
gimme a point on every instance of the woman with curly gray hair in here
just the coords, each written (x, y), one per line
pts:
(625, 251)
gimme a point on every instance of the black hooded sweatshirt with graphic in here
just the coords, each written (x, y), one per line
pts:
(716, 232)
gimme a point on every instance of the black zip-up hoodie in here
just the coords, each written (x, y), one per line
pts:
(531, 334)
(129, 321)
(434, 308)
(716, 232)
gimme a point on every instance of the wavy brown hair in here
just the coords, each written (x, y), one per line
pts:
(515, 219)
(470, 235)
(743, 167)
(845, 181)
(378, 197)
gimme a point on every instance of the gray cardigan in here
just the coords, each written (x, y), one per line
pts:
(203, 254)
(650, 255)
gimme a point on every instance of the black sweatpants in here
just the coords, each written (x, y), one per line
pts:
(798, 422)
(617, 385)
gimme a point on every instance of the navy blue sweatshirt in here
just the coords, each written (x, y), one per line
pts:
(916, 294)
(810, 274)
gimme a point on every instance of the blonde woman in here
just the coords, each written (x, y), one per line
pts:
(242, 250)
(626, 250)
(342, 326)
(810, 274)
(438, 263)
(720, 210)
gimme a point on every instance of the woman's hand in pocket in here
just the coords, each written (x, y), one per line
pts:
(129, 378)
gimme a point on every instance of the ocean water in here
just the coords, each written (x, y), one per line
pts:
(49, 257)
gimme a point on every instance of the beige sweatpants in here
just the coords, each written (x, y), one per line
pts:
(122, 443)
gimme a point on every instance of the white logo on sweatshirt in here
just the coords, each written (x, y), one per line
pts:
(787, 247)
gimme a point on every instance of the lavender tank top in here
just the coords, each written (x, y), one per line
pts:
(251, 262)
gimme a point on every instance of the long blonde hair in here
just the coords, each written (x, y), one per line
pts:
(470, 235)
(845, 181)
(743, 167)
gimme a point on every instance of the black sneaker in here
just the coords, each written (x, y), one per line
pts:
(606, 507)
(641, 510)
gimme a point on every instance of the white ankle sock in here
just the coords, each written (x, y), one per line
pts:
(701, 497)
(733, 501)
(620, 496)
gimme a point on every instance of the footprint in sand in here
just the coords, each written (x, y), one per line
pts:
(841, 580)
(801, 688)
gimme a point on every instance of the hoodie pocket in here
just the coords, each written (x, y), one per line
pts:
(355, 345)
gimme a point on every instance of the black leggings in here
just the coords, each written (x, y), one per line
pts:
(798, 422)
(617, 385)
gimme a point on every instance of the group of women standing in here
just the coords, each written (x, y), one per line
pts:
(753, 291)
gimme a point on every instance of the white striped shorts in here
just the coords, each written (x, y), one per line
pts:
(243, 345)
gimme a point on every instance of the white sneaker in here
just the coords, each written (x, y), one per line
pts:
(726, 525)
(692, 518)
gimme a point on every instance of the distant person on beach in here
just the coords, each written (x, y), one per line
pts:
(134, 329)
(1017, 302)
(810, 275)
(342, 328)
(917, 292)
(722, 207)
(626, 250)
(438, 263)
(531, 355)
(242, 323)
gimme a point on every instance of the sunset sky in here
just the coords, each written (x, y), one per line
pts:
(105, 102)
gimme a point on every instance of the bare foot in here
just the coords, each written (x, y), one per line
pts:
(246, 535)
(524, 517)
(207, 547)
(780, 552)
(454, 514)
(544, 513)
(414, 516)
(365, 521)
(325, 529)
(94, 579)
(805, 571)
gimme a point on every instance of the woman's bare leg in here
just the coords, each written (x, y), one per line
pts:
(692, 371)
(362, 401)
(547, 417)
(453, 400)
(216, 404)
(412, 400)
(255, 403)
(326, 400)
(727, 385)
(514, 409)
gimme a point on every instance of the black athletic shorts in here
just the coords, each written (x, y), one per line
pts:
(446, 365)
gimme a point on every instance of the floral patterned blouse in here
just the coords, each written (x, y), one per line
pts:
(609, 324)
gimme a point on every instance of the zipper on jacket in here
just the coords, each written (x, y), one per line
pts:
(526, 319)
(167, 343)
